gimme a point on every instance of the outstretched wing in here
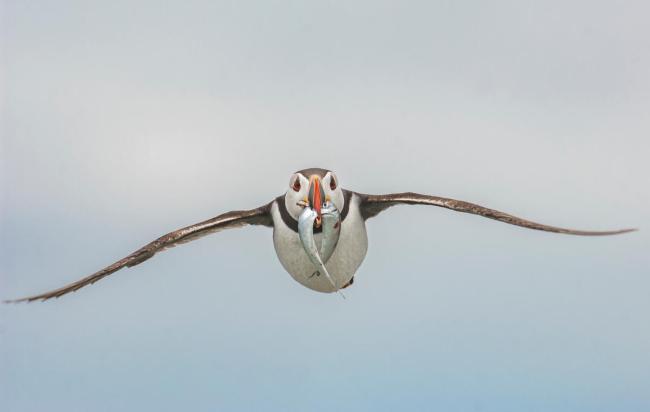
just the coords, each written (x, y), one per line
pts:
(258, 216)
(372, 205)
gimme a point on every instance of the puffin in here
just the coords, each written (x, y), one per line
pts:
(310, 188)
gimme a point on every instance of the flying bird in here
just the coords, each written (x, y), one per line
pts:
(311, 189)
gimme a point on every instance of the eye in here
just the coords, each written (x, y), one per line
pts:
(332, 183)
(296, 185)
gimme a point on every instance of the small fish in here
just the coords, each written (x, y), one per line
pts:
(331, 230)
(330, 238)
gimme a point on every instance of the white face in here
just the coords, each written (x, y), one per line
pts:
(299, 189)
(333, 190)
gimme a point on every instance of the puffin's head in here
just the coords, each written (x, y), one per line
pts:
(312, 187)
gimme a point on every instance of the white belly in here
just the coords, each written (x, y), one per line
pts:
(348, 255)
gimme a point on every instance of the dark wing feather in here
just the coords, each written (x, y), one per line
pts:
(372, 205)
(258, 216)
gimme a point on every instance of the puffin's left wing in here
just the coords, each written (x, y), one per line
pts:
(372, 205)
(258, 216)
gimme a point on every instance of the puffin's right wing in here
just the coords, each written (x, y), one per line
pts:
(372, 205)
(258, 216)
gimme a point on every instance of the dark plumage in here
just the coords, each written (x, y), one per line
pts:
(313, 171)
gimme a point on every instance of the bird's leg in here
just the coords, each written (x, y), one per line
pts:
(350, 282)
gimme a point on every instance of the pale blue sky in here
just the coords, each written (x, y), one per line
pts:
(123, 120)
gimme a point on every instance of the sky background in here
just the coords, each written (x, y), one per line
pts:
(121, 121)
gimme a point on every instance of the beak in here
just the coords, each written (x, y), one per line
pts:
(316, 196)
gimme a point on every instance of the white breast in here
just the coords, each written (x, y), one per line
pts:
(348, 255)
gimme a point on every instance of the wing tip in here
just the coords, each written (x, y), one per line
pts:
(26, 300)
(600, 233)
(622, 231)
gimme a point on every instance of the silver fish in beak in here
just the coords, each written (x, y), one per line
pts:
(331, 224)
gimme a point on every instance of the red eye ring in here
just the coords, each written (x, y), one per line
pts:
(296, 185)
(332, 184)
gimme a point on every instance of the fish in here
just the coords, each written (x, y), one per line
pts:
(331, 231)
(331, 224)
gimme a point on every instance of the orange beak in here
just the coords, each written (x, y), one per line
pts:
(316, 196)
